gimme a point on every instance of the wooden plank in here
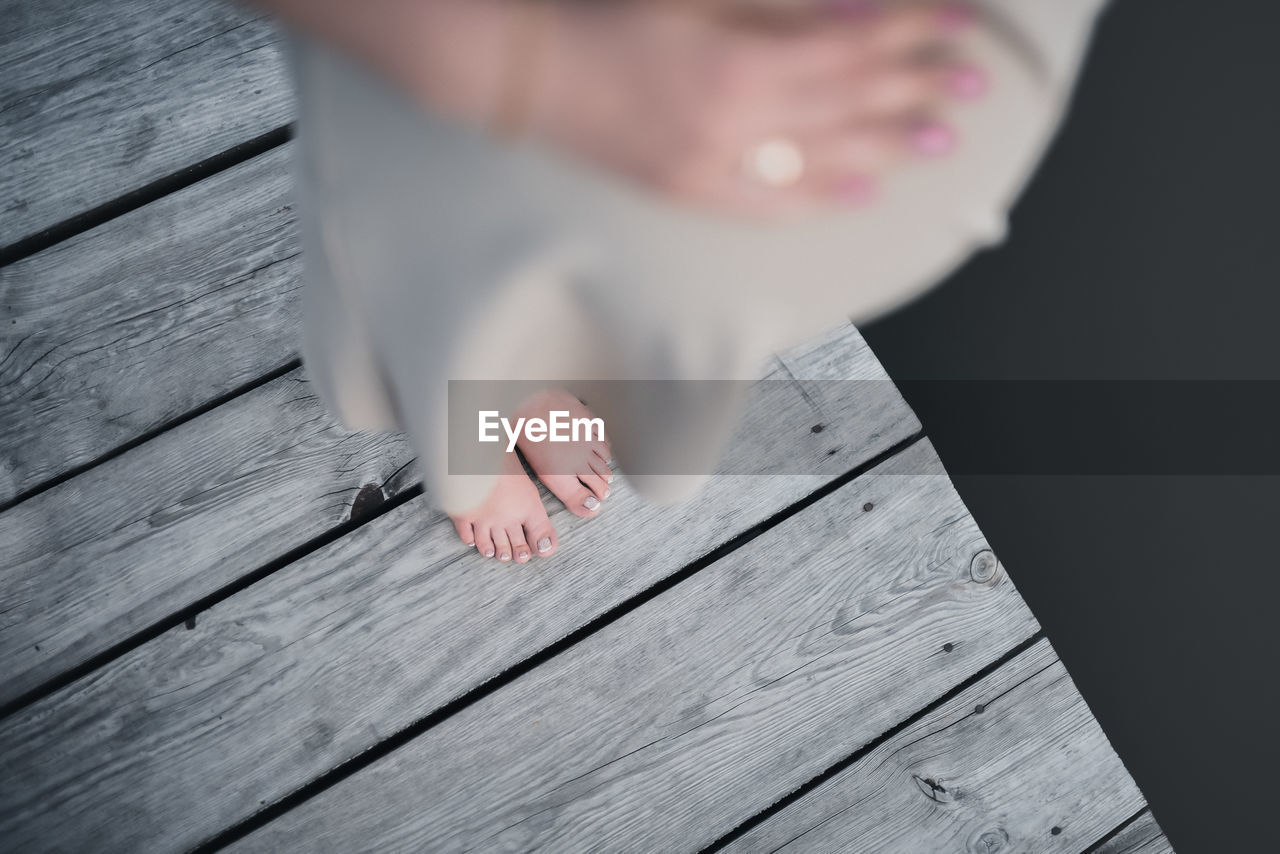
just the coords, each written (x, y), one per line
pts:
(695, 711)
(99, 97)
(1031, 772)
(327, 656)
(110, 552)
(1142, 836)
(116, 332)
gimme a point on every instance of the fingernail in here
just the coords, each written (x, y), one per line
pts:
(966, 81)
(591, 502)
(954, 17)
(489, 553)
(544, 544)
(933, 139)
(856, 190)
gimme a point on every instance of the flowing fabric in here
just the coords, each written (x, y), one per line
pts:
(433, 252)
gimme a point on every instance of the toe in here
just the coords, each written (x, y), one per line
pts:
(577, 498)
(539, 531)
(519, 548)
(484, 543)
(596, 484)
(601, 468)
(464, 531)
(501, 544)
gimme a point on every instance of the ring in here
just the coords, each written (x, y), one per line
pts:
(774, 162)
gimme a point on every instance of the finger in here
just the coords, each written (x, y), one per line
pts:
(912, 29)
(850, 42)
(845, 165)
(881, 93)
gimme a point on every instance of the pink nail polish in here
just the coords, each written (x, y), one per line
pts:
(966, 81)
(956, 17)
(856, 190)
(933, 139)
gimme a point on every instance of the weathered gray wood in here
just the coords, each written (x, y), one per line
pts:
(99, 97)
(112, 334)
(319, 661)
(706, 704)
(128, 542)
(1143, 836)
(1031, 772)
(95, 559)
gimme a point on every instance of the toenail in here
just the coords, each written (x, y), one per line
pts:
(504, 556)
(489, 553)
(522, 556)
(607, 492)
(544, 544)
(591, 502)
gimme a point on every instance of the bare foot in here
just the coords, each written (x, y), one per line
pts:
(576, 472)
(510, 519)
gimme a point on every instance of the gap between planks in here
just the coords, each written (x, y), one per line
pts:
(92, 567)
(99, 98)
(710, 701)
(366, 551)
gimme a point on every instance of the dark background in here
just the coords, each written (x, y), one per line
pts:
(1146, 248)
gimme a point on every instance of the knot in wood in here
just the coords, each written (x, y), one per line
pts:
(983, 566)
(367, 500)
(989, 842)
(933, 789)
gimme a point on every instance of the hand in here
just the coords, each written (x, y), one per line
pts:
(676, 95)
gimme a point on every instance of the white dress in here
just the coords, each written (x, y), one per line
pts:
(433, 252)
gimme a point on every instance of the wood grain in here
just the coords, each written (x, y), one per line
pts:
(1031, 771)
(327, 656)
(110, 552)
(114, 333)
(99, 97)
(127, 543)
(1143, 836)
(676, 722)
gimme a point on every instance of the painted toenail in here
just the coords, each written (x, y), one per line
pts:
(607, 492)
(544, 544)
(489, 553)
(591, 502)
(504, 556)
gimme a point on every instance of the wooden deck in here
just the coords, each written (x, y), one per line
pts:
(226, 622)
